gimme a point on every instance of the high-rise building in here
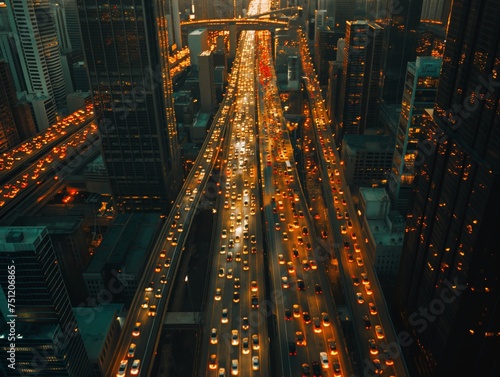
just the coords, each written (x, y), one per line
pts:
(127, 58)
(344, 11)
(400, 23)
(9, 136)
(421, 83)
(436, 10)
(37, 43)
(448, 295)
(361, 74)
(50, 344)
(197, 43)
(206, 77)
(325, 50)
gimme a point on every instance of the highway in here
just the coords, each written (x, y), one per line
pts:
(263, 220)
(365, 297)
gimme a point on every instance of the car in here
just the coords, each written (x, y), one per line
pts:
(253, 250)
(235, 337)
(359, 297)
(373, 308)
(317, 325)
(323, 357)
(254, 301)
(229, 256)
(163, 279)
(234, 367)
(212, 361)
(300, 285)
(305, 232)
(137, 329)
(378, 366)
(246, 266)
(277, 226)
(306, 317)
(364, 277)
(316, 369)
(325, 319)
(290, 267)
(379, 332)
(368, 289)
(131, 350)
(253, 286)
(158, 293)
(336, 370)
(339, 217)
(135, 367)
(296, 310)
(236, 296)
(349, 224)
(167, 262)
(332, 346)
(295, 253)
(244, 323)
(213, 336)
(255, 362)
(223, 249)
(150, 287)
(343, 230)
(281, 259)
(284, 282)
(218, 294)
(221, 272)
(224, 233)
(388, 358)
(255, 342)
(300, 339)
(355, 281)
(224, 316)
(306, 370)
(318, 289)
(236, 284)
(367, 322)
(158, 267)
(359, 261)
(305, 265)
(357, 249)
(285, 236)
(324, 234)
(300, 240)
(122, 369)
(288, 314)
(292, 348)
(163, 253)
(222, 372)
(313, 264)
(253, 239)
(353, 236)
(350, 258)
(229, 274)
(372, 346)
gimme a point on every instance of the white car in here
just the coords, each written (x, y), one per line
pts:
(235, 338)
(213, 336)
(359, 297)
(379, 332)
(324, 359)
(135, 367)
(123, 368)
(234, 367)
(224, 318)
(255, 362)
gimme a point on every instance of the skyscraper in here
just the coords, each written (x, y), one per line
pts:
(48, 343)
(400, 23)
(361, 74)
(41, 61)
(9, 136)
(448, 294)
(206, 77)
(126, 50)
(421, 82)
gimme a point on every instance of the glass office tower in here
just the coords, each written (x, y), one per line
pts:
(448, 294)
(126, 50)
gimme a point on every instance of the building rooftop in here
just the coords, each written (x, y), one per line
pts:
(94, 329)
(382, 234)
(12, 237)
(202, 120)
(54, 224)
(368, 142)
(126, 242)
(30, 331)
(371, 194)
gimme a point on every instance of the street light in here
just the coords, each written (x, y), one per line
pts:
(190, 297)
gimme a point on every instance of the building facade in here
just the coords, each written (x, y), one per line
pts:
(127, 58)
(450, 261)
